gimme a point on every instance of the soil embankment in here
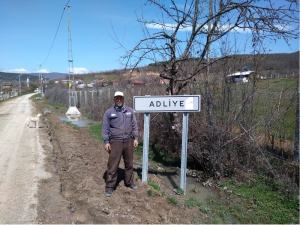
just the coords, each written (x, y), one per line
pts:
(75, 191)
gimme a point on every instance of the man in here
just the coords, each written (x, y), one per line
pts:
(120, 135)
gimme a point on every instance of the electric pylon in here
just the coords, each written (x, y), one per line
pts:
(72, 93)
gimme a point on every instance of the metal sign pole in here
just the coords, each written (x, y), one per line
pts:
(184, 151)
(175, 103)
(145, 147)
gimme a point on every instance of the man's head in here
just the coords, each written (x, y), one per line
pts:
(119, 98)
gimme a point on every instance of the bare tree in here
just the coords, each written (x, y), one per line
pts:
(194, 37)
(203, 25)
(266, 21)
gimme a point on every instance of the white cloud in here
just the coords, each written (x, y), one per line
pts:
(80, 70)
(168, 26)
(225, 27)
(43, 71)
(21, 70)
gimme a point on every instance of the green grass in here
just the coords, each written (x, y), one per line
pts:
(154, 185)
(150, 192)
(179, 191)
(156, 190)
(172, 200)
(192, 202)
(95, 131)
(204, 209)
(256, 202)
(73, 125)
(57, 105)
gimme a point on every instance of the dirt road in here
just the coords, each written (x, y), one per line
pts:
(55, 174)
(21, 162)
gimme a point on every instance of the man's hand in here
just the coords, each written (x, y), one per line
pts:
(107, 147)
(135, 143)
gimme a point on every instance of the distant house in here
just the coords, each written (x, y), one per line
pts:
(6, 87)
(80, 86)
(151, 73)
(137, 83)
(243, 76)
(132, 74)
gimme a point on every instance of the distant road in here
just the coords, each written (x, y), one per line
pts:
(21, 162)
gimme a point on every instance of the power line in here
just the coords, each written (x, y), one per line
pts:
(56, 32)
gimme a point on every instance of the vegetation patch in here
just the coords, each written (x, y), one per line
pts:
(95, 131)
(192, 202)
(255, 202)
(172, 200)
(73, 125)
(56, 105)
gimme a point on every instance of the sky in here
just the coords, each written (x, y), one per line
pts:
(34, 35)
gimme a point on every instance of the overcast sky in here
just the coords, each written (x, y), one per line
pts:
(34, 34)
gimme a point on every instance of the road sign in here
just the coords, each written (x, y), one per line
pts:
(167, 103)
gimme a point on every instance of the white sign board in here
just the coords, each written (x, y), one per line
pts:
(167, 103)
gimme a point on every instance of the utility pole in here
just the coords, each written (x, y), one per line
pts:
(39, 83)
(27, 84)
(72, 109)
(70, 56)
(20, 84)
(42, 86)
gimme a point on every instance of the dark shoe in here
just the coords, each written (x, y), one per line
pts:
(133, 186)
(108, 193)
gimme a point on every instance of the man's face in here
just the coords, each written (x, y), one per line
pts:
(119, 100)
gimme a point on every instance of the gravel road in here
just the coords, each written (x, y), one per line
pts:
(21, 162)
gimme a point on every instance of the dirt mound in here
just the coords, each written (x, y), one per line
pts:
(75, 191)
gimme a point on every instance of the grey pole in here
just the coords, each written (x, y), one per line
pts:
(145, 148)
(42, 86)
(19, 84)
(184, 151)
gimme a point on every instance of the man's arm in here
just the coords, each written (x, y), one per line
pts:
(105, 128)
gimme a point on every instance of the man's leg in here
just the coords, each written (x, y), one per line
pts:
(113, 164)
(128, 161)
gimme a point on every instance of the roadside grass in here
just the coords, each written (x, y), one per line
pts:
(268, 99)
(156, 190)
(191, 202)
(95, 131)
(57, 105)
(172, 200)
(254, 203)
(73, 125)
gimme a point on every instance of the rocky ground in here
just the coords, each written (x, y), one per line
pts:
(75, 191)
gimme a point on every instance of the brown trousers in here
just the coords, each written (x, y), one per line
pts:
(119, 149)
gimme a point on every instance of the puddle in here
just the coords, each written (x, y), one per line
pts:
(47, 111)
(194, 188)
(75, 120)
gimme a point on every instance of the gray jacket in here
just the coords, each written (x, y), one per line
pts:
(119, 125)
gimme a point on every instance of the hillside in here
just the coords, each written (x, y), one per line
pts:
(281, 63)
(14, 77)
